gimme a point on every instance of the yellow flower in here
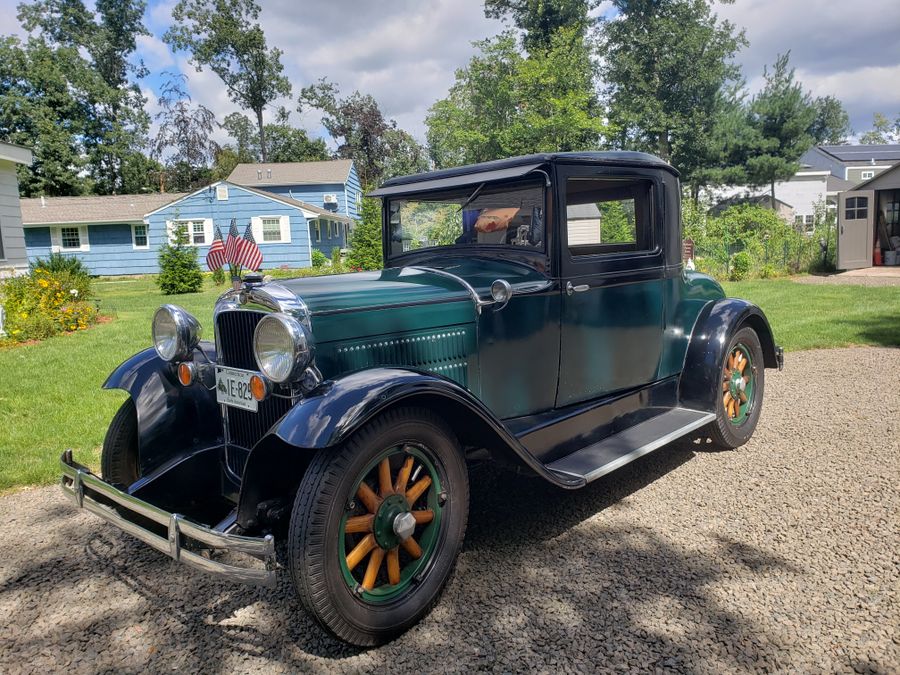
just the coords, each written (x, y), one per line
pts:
(43, 283)
(24, 315)
(72, 327)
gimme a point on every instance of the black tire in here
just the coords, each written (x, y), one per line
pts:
(318, 540)
(724, 432)
(119, 458)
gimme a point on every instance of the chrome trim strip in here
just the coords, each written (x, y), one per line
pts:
(479, 303)
(619, 462)
(76, 477)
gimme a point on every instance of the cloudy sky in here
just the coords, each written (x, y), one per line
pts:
(405, 52)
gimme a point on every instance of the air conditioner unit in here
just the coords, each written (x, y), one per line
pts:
(330, 199)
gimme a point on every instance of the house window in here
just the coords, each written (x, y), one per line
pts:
(271, 229)
(222, 193)
(70, 238)
(856, 208)
(195, 230)
(139, 237)
(318, 231)
(867, 174)
(607, 216)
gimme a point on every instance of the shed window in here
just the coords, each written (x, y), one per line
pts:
(856, 208)
(867, 174)
(607, 215)
(271, 229)
(139, 236)
(70, 238)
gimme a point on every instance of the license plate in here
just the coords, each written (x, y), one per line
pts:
(233, 388)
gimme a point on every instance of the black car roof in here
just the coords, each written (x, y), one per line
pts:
(616, 157)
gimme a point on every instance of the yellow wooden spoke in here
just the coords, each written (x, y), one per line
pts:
(360, 551)
(423, 516)
(372, 569)
(403, 476)
(411, 547)
(368, 497)
(384, 478)
(393, 565)
(417, 489)
(359, 523)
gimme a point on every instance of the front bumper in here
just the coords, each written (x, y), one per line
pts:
(185, 542)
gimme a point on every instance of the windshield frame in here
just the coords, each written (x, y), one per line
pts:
(532, 255)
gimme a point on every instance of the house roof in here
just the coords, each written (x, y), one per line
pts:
(863, 153)
(291, 173)
(93, 209)
(309, 211)
(11, 152)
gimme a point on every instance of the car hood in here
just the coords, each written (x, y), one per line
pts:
(445, 280)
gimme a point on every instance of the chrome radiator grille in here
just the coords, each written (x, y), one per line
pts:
(234, 337)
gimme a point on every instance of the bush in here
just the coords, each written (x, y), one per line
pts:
(179, 271)
(218, 276)
(41, 304)
(741, 264)
(365, 240)
(318, 258)
(57, 262)
(336, 260)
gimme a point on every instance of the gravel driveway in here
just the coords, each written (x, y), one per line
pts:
(781, 556)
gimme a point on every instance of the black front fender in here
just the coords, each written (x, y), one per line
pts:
(719, 319)
(172, 419)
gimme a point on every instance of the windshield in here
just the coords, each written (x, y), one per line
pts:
(505, 215)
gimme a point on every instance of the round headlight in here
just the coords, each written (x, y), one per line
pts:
(175, 333)
(282, 347)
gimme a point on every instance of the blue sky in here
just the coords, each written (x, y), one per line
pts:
(405, 52)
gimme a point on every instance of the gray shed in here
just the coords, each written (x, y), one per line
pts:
(13, 259)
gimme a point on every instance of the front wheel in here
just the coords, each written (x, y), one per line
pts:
(377, 525)
(739, 391)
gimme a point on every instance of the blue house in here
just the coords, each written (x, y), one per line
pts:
(122, 234)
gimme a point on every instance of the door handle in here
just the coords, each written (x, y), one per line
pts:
(580, 288)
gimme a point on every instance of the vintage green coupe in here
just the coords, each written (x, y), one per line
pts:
(533, 310)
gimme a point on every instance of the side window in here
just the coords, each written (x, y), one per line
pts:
(607, 215)
(856, 208)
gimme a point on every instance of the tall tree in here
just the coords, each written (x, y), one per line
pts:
(779, 119)
(540, 19)
(224, 36)
(362, 132)
(883, 131)
(286, 143)
(505, 103)
(669, 72)
(831, 125)
(116, 123)
(183, 142)
(40, 108)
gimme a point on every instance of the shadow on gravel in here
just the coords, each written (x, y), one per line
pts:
(530, 560)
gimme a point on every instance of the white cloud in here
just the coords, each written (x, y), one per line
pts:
(154, 52)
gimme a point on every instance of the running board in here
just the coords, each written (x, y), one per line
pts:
(601, 458)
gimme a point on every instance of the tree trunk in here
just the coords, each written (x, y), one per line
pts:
(772, 186)
(262, 136)
(663, 146)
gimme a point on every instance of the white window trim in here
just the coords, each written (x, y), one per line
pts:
(56, 245)
(256, 224)
(222, 193)
(134, 245)
(318, 224)
(207, 230)
(866, 175)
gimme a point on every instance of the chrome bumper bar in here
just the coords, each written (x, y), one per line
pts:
(78, 481)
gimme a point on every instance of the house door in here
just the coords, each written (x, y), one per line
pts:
(856, 228)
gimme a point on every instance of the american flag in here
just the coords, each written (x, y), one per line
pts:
(231, 244)
(248, 253)
(215, 257)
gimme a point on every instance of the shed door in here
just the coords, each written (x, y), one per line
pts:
(856, 227)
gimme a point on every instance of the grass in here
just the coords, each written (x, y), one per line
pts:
(51, 397)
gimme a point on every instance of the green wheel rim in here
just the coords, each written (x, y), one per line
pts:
(367, 540)
(738, 384)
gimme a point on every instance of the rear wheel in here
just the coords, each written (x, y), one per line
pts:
(377, 525)
(739, 391)
(119, 458)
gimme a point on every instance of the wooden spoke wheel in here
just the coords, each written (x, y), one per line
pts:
(738, 391)
(389, 529)
(737, 384)
(377, 525)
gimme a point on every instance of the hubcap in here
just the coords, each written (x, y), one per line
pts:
(737, 384)
(392, 522)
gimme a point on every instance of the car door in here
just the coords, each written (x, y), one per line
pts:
(612, 271)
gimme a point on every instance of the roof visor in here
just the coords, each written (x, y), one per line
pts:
(473, 178)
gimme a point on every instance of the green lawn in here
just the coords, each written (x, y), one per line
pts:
(50, 395)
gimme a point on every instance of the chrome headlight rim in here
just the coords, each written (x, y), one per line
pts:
(297, 355)
(184, 335)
